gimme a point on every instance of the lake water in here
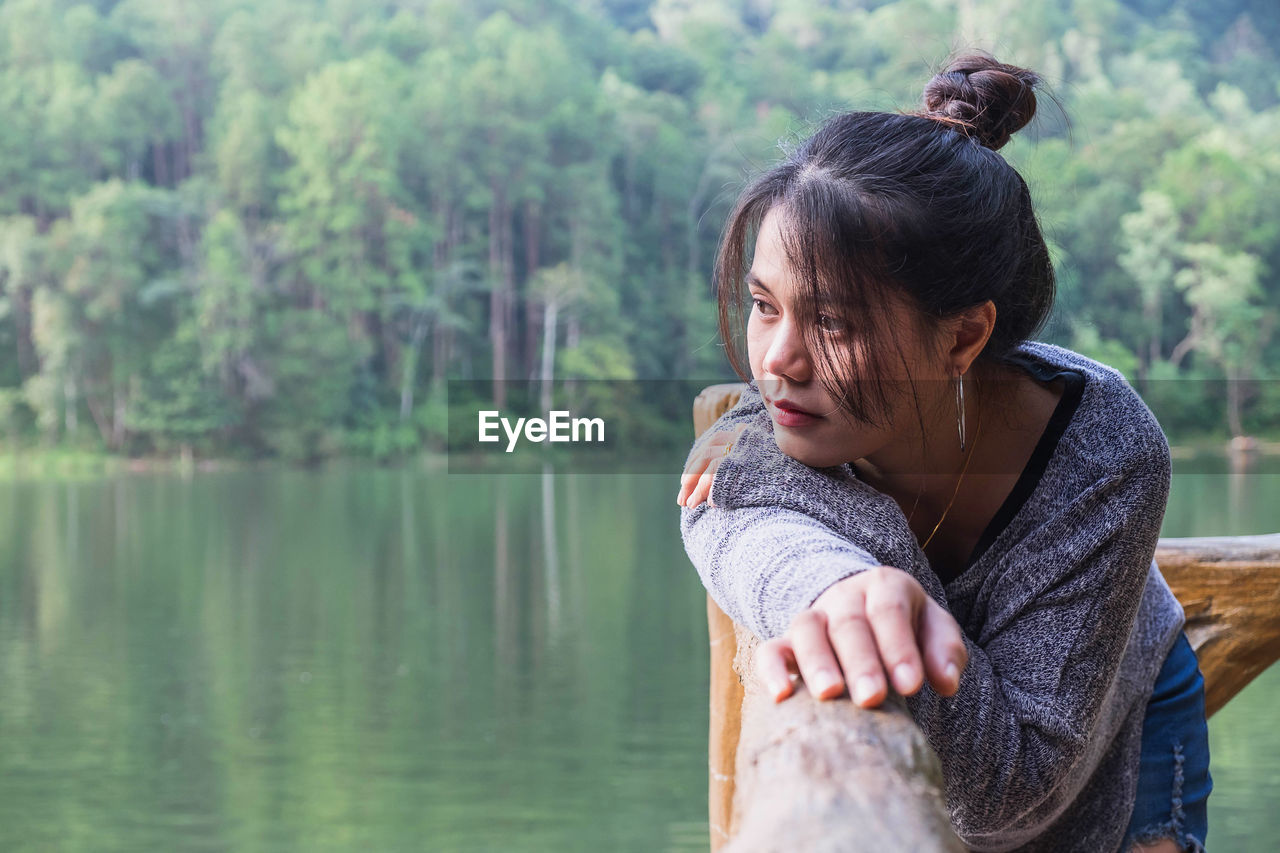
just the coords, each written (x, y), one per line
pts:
(380, 660)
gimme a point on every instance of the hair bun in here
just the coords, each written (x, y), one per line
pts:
(982, 98)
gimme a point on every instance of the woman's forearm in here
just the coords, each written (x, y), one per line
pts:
(763, 566)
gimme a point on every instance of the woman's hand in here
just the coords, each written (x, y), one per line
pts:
(695, 482)
(877, 621)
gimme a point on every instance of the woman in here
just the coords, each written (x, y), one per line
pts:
(911, 493)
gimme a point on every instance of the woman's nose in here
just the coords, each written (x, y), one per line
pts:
(786, 355)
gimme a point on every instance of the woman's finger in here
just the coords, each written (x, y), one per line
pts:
(856, 650)
(892, 611)
(689, 479)
(814, 655)
(698, 465)
(702, 488)
(775, 662)
(696, 469)
(945, 654)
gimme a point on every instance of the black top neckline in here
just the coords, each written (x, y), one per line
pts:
(1040, 456)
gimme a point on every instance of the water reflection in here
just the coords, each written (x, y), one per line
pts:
(372, 659)
(551, 550)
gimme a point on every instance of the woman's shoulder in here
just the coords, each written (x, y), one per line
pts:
(1110, 468)
(1065, 359)
(1111, 425)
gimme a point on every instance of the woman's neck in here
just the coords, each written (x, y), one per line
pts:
(1003, 407)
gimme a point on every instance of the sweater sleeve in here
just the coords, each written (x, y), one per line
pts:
(761, 563)
(1040, 663)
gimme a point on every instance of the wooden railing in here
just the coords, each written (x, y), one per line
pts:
(809, 775)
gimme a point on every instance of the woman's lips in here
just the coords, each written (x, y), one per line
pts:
(787, 414)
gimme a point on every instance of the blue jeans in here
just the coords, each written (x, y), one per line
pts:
(1173, 779)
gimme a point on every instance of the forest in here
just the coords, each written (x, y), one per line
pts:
(278, 228)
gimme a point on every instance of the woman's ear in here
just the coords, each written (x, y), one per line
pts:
(968, 334)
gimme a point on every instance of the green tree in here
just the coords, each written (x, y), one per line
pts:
(1150, 258)
(1228, 325)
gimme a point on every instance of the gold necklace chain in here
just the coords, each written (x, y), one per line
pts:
(977, 434)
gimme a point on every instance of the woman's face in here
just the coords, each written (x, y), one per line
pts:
(808, 423)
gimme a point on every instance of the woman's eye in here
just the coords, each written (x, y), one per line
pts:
(830, 324)
(762, 306)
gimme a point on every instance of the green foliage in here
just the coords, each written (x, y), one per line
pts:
(313, 362)
(598, 358)
(1088, 342)
(178, 403)
(280, 227)
(1186, 402)
(13, 413)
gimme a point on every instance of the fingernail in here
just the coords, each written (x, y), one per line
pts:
(776, 689)
(952, 672)
(864, 689)
(823, 680)
(903, 674)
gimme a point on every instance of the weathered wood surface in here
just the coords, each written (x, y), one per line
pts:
(1229, 588)
(712, 402)
(726, 722)
(726, 688)
(830, 776)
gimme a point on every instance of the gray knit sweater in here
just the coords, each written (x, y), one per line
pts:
(1066, 617)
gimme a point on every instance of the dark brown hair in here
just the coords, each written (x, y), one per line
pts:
(916, 207)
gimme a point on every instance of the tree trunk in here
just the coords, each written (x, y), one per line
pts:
(119, 415)
(439, 353)
(70, 411)
(158, 163)
(532, 260)
(547, 372)
(572, 330)
(442, 256)
(509, 274)
(1188, 343)
(100, 418)
(497, 295)
(409, 371)
(1152, 320)
(28, 361)
(1234, 398)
